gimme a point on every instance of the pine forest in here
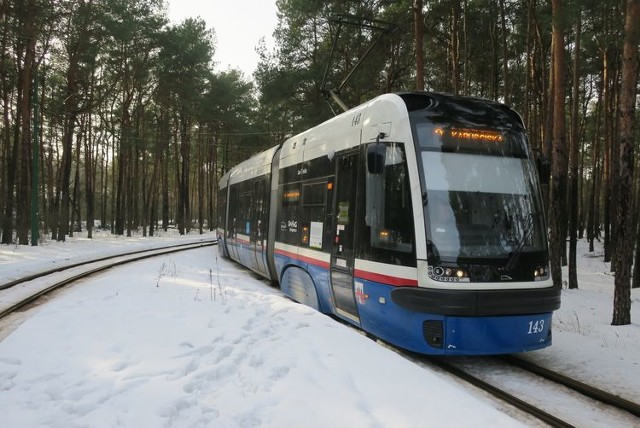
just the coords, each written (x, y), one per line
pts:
(114, 117)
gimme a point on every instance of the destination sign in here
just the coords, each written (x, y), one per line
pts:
(470, 134)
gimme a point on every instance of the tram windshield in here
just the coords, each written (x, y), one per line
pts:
(482, 200)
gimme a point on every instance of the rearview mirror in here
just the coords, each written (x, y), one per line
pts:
(376, 154)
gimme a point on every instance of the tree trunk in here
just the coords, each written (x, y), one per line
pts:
(574, 174)
(558, 183)
(185, 148)
(625, 227)
(70, 115)
(419, 43)
(7, 223)
(89, 178)
(592, 221)
(505, 58)
(615, 163)
(213, 183)
(636, 263)
(165, 192)
(607, 175)
(23, 209)
(75, 203)
(179, 216)
(200, 168)
(124, 166)
(529, 67)
(455, 47)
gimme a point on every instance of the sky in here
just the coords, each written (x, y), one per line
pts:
(194, 340)
(239, 25)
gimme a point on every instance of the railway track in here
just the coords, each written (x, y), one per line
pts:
(479, 371)
(610, 409)
(17, 294)
(550, 397)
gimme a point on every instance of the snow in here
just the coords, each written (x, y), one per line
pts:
(191, 339)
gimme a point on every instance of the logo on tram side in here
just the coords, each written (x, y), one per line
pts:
(289, 226)
(361, 297)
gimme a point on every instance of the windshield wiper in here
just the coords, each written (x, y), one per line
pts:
(515, 254)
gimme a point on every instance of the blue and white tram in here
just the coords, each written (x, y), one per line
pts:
(416, 217)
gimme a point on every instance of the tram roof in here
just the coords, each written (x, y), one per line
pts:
(257, 165)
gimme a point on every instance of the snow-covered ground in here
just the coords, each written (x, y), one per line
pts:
(191, 339)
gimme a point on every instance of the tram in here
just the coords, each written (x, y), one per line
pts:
(417, 217)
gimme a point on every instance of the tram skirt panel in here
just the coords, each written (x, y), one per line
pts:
(297, 284)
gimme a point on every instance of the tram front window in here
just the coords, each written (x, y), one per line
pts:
(482, 201)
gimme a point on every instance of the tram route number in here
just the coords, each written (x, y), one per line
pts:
(536, 327)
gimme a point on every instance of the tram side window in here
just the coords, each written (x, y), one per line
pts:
(313, 215)
(233, 210)
(260, 207)
(243, 224)
(389, 237)
(222, 205)
(290, 204)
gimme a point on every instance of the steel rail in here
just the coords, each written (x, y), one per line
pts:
(504, 396)
(41, 274)
(151, 253)
(575, 385)
(527, 408)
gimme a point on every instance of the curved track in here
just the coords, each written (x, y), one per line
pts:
(503, 395)
(87, 268)
(575, 385)
(558, 387)
(100, 259)
(628, 409)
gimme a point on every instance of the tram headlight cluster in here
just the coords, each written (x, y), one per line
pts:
(448, 274)
(541, 273)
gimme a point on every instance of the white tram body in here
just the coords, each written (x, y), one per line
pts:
(416, 217)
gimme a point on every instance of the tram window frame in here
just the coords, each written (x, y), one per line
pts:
(289, 213)
(244, 209)
(314, 201)
(221, 208)
(260, 207)
(378, 241)
(233, 209)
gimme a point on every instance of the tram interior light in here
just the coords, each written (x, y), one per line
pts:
(384, 235)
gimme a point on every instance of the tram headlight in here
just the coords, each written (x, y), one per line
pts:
(541, 273)
(448, 274)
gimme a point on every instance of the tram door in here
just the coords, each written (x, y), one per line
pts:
(342, 254)
(259, 224)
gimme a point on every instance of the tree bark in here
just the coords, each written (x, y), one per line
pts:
(455, 47)
(70, 116)
(592, 221)
(505, 58)
(559, 165)
(607, 165)
(89, 178)
(625, 227)
(23, 209)
(574, 174)
(419, 43)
